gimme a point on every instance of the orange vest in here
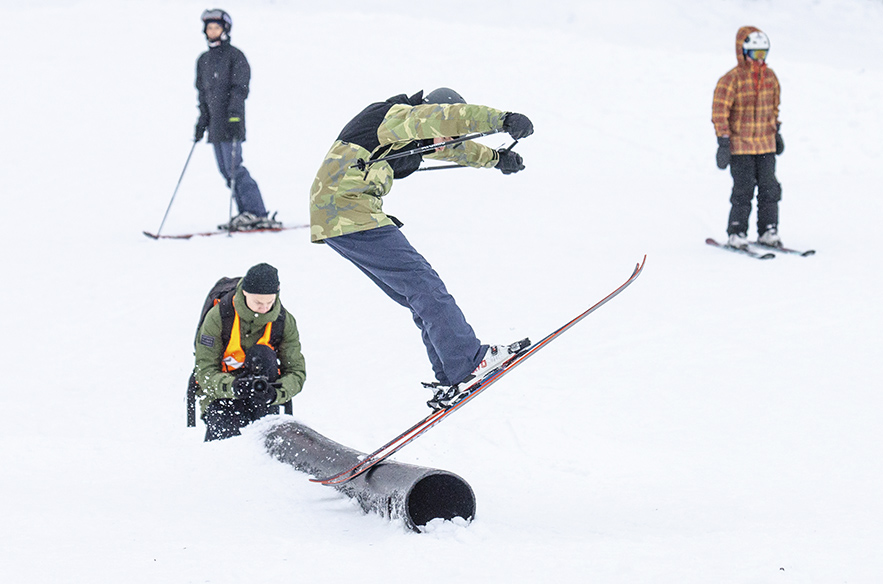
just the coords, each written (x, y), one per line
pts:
(234, 356)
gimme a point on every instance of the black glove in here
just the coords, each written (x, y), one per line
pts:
(242, 387)
(235, 129)
(780, 144)
(723, 152)
(200, 130)
(510, 162)
(517, 125)
(265, 391)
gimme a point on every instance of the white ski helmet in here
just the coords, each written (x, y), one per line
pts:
(756, 41)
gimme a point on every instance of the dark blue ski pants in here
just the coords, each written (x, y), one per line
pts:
(386, 256)
(247, 194)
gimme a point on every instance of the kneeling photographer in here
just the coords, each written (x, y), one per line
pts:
(248, 355)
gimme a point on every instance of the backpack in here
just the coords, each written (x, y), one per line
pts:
(222, 293)
(221, 288)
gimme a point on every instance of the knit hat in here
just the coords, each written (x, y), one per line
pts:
(261, 279)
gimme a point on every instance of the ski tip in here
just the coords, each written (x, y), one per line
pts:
(808, 253)
(639, 266)
(150, 235)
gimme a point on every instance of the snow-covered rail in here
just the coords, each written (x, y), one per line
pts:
(414, 494)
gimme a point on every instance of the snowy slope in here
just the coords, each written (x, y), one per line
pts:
(718, 422)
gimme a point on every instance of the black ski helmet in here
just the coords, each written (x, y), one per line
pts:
(219, 16)
(443, 95)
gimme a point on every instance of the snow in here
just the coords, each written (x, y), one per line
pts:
(717, 422)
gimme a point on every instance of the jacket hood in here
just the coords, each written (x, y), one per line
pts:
(402, 98)
(740, 38)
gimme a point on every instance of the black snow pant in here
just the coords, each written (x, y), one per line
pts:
(750, 171)
(225, 417)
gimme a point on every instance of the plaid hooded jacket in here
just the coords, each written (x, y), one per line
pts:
(746, 104)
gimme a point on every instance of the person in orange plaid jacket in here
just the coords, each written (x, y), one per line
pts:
(745, 113)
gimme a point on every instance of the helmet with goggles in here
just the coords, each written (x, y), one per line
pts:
(219, 16)
(756, 46)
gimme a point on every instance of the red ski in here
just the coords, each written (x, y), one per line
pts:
(219, 232)
(435, 417)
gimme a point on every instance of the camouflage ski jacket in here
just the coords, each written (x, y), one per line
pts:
(345, 199)
(746, 104)
(214, 383)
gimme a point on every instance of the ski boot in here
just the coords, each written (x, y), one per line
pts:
(738, 240)
(242, 222)
(770, 238)
(495, 357)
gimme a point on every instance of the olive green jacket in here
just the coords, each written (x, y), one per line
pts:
(344, 199)
(214, 383)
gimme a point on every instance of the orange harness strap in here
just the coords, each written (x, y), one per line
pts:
(234, 356)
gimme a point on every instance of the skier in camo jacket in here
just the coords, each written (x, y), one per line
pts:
(745, 114)
(346, 212)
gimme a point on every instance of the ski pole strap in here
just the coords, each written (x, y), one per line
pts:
(363, 164)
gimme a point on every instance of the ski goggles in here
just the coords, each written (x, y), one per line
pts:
(757, 54)
(215, 14)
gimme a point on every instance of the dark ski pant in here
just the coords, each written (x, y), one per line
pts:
(750, 171)
(224, 418)
(247, 194)
(389, 260)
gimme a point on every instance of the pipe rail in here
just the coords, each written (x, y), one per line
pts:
(413, 494)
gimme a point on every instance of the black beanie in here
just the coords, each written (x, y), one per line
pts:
(261, 279)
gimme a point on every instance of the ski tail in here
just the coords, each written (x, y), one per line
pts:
(380, 454)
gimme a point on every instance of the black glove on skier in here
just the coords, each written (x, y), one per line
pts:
(200, 131)
(780, 144)
(517, 125)
(510, 162)
(723, 152)
(235, 129)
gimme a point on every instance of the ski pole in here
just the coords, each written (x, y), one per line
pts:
(232, 185)
(363, 164)
(176, 190)
(443, 167)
